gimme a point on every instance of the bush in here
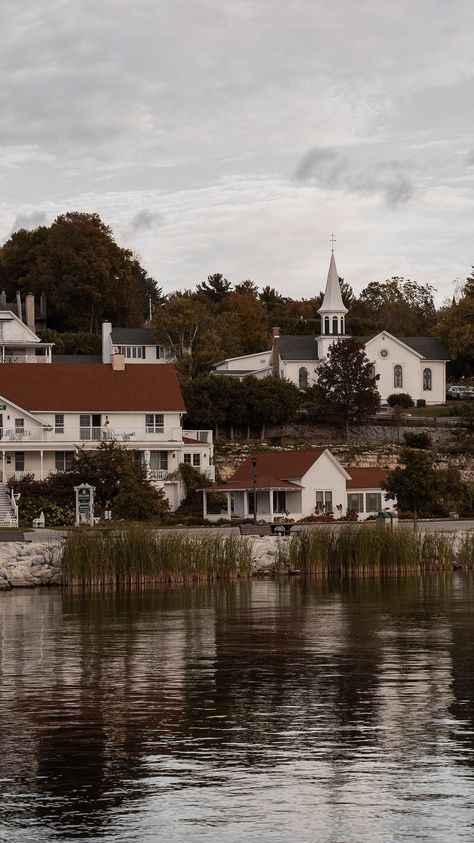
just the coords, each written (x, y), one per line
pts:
(417, 440)
(400, 399)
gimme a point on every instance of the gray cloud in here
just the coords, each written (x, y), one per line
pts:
(29, 220)
(335, 171)
(145, 220)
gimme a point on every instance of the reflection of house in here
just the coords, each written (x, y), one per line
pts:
(19, 343)
(299, 484)
(416, 365)
(137, 345)
(48, 412)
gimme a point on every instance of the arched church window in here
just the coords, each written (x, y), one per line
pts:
(327, 329)
(372, 371)
(397, 376)
(334, 325)
(342, 325)
(427, 379)
(303, 378)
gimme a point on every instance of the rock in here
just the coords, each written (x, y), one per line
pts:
(29, 565)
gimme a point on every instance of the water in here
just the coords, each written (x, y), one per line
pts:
(295, 711)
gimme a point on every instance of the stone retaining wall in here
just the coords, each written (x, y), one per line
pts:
(29, 564)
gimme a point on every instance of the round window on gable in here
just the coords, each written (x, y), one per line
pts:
(383, 352)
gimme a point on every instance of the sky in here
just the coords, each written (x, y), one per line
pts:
(237, 137)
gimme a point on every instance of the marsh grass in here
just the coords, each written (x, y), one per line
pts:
(136, 556)
(359, 551)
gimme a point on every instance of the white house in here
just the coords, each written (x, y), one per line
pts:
(416, 365)
(19, 343)
(137, 345)
(48, 412)
(298, 484)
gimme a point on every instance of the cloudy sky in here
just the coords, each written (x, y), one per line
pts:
(235, 136)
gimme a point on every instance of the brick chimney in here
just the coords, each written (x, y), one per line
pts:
(30, 311)
(117, 361)
(275, 354)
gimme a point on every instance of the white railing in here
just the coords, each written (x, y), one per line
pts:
(158, 473)
(90, 434)
(14, 506)
(201, 435)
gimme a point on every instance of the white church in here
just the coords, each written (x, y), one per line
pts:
(416, 365)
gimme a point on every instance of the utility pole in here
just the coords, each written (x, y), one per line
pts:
(254, 481)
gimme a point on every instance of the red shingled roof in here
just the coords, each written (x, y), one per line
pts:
(92, 387)
(274, 469)
(365, 478)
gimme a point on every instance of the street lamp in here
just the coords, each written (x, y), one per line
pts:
(254, 482)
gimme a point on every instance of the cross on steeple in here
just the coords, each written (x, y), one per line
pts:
(333, 240)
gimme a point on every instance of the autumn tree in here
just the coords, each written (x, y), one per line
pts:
(215, 288)
(85, 275)
(346, 387)
(413, 482)
(455, 326)
(398, 305)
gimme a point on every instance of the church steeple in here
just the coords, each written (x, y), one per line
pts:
(332, 311)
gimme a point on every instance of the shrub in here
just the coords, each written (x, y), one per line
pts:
(400, 399)
(417, 440)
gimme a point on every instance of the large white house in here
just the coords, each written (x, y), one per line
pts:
(416, 365)
(47, 413)
(19, 343)
(301, 483)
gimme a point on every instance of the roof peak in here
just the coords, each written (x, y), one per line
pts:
(332, 300)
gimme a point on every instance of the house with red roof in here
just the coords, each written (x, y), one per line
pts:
(297, 484)
(47, 413)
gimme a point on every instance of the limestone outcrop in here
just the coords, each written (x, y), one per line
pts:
(28, 565)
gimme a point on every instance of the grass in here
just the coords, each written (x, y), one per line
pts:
(353, 550)
(137, 556)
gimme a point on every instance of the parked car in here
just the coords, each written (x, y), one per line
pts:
(385, 409)
(456, 392)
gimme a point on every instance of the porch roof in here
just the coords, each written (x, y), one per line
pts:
(262, 486)
(365, 478)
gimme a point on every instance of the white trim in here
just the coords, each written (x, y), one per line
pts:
(6, 400)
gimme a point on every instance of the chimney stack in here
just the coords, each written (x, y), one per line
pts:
(117, 362)
(19, 309)
(30, 311)
(275, 354)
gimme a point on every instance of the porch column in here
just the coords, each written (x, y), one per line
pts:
(146, 458)
(229, 505)
(270, 499)
(3, 467)
(246, 504)
(41, 464)
(204, 503)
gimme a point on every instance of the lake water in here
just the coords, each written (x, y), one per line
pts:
(301, 710)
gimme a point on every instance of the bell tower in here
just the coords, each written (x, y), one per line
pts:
(332, 311)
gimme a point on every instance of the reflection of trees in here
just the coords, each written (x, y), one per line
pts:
(190, 682)
(462, 707)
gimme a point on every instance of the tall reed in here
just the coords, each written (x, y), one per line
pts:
(359, 550)
(136, 556)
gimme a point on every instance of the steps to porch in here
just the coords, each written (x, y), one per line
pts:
(8, 514)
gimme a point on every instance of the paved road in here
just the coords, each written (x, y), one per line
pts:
(45, 535)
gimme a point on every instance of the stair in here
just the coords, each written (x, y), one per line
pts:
(5, 504)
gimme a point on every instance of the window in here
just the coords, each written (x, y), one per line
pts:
(90, 426)
(397, 376)
(251, 503)
(154, 422)
(19, 460)
(372, 371)
(196, 460)
(323, 501)
(334, 325)
(327, 329)
(187, 459)
(63, 460)
(342, 324)
(427, 379)
(279, 502)
(373, 502)
(303, 378)
(355, 501)
(159, 460)
(383, 352)
(19, 425)
(59, 423)
(132, 352)
(160, 352)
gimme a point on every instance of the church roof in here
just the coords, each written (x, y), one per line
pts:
(332, 301)
(297, 347)
(429, 347)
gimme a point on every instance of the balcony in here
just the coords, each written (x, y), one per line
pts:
(204, 436)
(90, 434)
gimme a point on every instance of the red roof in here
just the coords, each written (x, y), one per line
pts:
(91, 387)
(365, 478)
(274, 469)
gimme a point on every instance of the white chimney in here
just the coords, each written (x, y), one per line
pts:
(107, 348)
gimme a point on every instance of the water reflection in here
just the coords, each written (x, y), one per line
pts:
(296, 710)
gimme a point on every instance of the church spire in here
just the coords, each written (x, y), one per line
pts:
(332, 304)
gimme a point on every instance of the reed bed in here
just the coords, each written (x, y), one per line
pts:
(360, 551)
(137, 556)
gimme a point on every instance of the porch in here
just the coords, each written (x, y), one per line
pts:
(271, 503)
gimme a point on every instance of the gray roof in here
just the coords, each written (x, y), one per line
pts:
(297, 347)
(133, 336)
(77, 358)
(429, 347)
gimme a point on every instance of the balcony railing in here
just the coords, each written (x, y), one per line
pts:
(204, 436)
(90, 434)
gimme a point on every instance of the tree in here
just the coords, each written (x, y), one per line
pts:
(346, 388)
(85, 275)
(398, 305)
(413, 482)
(270, 401)
(455, 326)
(185, 325)
(246, 287)
(215, 288)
